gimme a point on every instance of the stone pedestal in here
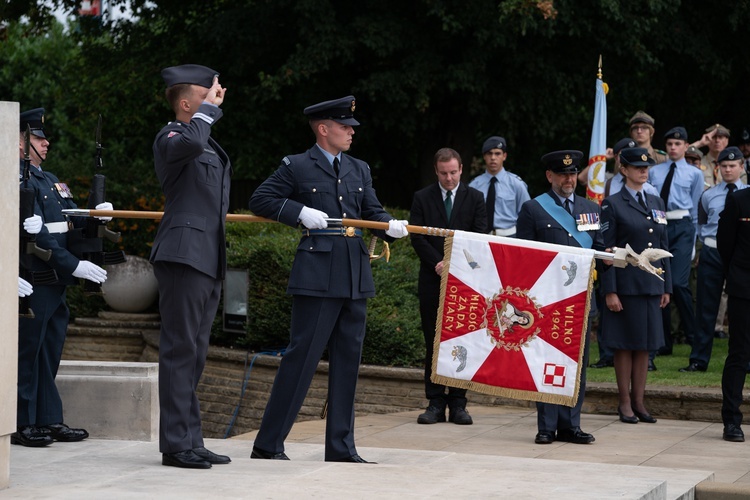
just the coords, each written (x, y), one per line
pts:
(9, 120)
(111, 400)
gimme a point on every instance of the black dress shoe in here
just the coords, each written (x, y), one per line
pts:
(187, 459)
(651, 365)
(544, 437)
(354, 459)
(644, 417)
(664, 351)
(460, 416)
(625, 419)
(432, 415)
(602, 363)
(28, 435)
(719, 334)
(61, 432)
(693, 367)
(733, 433)
(267, 455)
(211, 457)
(575, 435)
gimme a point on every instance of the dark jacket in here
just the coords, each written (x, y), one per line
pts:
(733, 243)
(194, 173)
(324, 266)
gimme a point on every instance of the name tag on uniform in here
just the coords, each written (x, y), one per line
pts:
(63, 190)
(659, 216)
(588, 222)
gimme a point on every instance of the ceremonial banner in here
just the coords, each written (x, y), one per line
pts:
(512, 317)
(598, 149)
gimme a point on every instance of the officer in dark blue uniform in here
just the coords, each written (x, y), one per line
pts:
(39, 417)
(632, 316)
(733, 244)
(189, 255)
(330, 278)
(555, 217)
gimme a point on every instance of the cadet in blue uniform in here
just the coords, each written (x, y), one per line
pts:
(189, 256)
(451, 204)
(504, 192)
(330, 279)
(634, 301)
(554, 217)
(710, 270)
(733, 243)
(680, 186)
(39, 416)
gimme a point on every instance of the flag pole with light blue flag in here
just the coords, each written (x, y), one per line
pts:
(598, 150)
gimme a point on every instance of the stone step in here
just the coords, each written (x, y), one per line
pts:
(117, 323)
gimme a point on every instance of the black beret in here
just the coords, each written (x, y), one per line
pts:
(677, 133)
(338, 110)
(622, 144)
(637, 157)
(193, 74)
(745, 136)
(34, 118)
(563, 162)
(731, 153)
(494, 142)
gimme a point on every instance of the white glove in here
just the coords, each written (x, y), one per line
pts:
(33, 224)
(397, 228)
(90, 271)
(313, 219)
(104, 206)
(24, 287)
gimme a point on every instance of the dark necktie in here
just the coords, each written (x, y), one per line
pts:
(336, 166)
(448, 204)
(667, 185)
(569, 206)
(731, 188)
(491, 204)
(641, 201)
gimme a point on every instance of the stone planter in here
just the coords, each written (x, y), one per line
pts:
(131, 287)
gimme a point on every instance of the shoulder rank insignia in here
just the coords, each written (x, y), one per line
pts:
(286, 161)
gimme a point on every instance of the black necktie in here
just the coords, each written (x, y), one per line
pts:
(731, 188)
(641, 201)
(448, 204)
(491, 204)
(569, 206)
(667, 185)
(336, 166)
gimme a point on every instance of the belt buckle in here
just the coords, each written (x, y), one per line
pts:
(349, 231)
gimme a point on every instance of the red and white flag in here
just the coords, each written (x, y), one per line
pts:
(512, 317)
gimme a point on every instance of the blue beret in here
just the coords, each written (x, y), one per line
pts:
(193, 74)
(622, 144)
(677, 133)
(34, 118)
(494, 142)
(563, 162)
(731, 153)
(338, 110)
(637, 157)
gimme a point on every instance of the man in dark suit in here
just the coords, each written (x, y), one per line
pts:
(330, 280)
(733, 244)
(558, 217)
(189, 256)
(450, 204)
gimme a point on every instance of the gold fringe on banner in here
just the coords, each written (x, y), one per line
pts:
(518, 394)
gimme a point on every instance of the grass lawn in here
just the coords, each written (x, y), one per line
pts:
(667, 368)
